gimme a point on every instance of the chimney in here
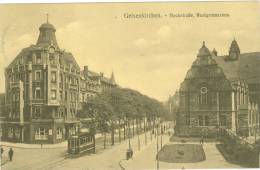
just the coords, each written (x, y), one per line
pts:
(85, 69)
(101, 74)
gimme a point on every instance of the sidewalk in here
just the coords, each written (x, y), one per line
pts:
(34, 146)
(147, 159)
(38, 146)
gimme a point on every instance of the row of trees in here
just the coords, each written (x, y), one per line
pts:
(120, 108)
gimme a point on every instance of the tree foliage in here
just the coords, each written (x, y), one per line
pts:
(121, 103)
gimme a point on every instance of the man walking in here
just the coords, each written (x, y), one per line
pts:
(2, 151)
(11, 153)
(202, 140)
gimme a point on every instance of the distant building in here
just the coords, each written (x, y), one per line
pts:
(220, 91)
(173, 105)
(44, 89)
(2, 112)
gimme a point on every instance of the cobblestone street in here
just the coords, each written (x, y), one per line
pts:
(114, 157)
(55, 158)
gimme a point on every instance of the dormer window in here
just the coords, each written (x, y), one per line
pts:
(51, 50)
(21, 60)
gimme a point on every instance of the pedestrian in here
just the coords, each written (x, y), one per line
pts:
(202, 140)
(11, 153)
(2, 151)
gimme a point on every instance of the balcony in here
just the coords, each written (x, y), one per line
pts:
(71, 120)
(14, 84)
(38, 101)
(73, 86)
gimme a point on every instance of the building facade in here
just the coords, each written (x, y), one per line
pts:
(220, 91)
(44, 90)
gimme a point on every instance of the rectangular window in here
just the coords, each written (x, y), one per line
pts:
(60, 113)
(10, 132)
(17, 133)
(38, 93)
(38, 75)
(187, 119)
(61, 81)
(36, 112)
(53, 94)
(206, 120)
(200, 121)
(29, 59)
(61, 95)
(59, 133)
(53, 77)
(41, 134)
(14, 97)
(38, 58)
(223, 120)
(52, 58)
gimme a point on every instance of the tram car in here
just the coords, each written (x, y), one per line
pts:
(84, 142)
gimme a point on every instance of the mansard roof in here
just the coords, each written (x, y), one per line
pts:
(68, 58)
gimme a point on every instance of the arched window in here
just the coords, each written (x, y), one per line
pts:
(203, 95)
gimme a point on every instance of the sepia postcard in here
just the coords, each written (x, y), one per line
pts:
(130, 86)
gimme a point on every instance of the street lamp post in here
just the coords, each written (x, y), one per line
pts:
(157, 156)
(161, 135)
(129, 135)
(138, 131)
(145, 131)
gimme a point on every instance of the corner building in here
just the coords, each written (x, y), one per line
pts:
(220, 91)
(44, 90)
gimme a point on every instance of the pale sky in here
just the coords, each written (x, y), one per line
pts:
(149, 55)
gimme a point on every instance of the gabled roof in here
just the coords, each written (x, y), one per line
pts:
(230, 69)
(249, 67)
(245, 68)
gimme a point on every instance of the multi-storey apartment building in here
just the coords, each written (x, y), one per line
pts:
(220, 91)
(44, 89)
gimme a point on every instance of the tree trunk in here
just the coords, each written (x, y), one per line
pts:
(124, 130)
(133, 127)
(138, 130)
(137, 127)
(105, 138)
(145, 132)
(119, 131)
(113, 134)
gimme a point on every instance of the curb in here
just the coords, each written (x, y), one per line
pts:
(32, 147)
